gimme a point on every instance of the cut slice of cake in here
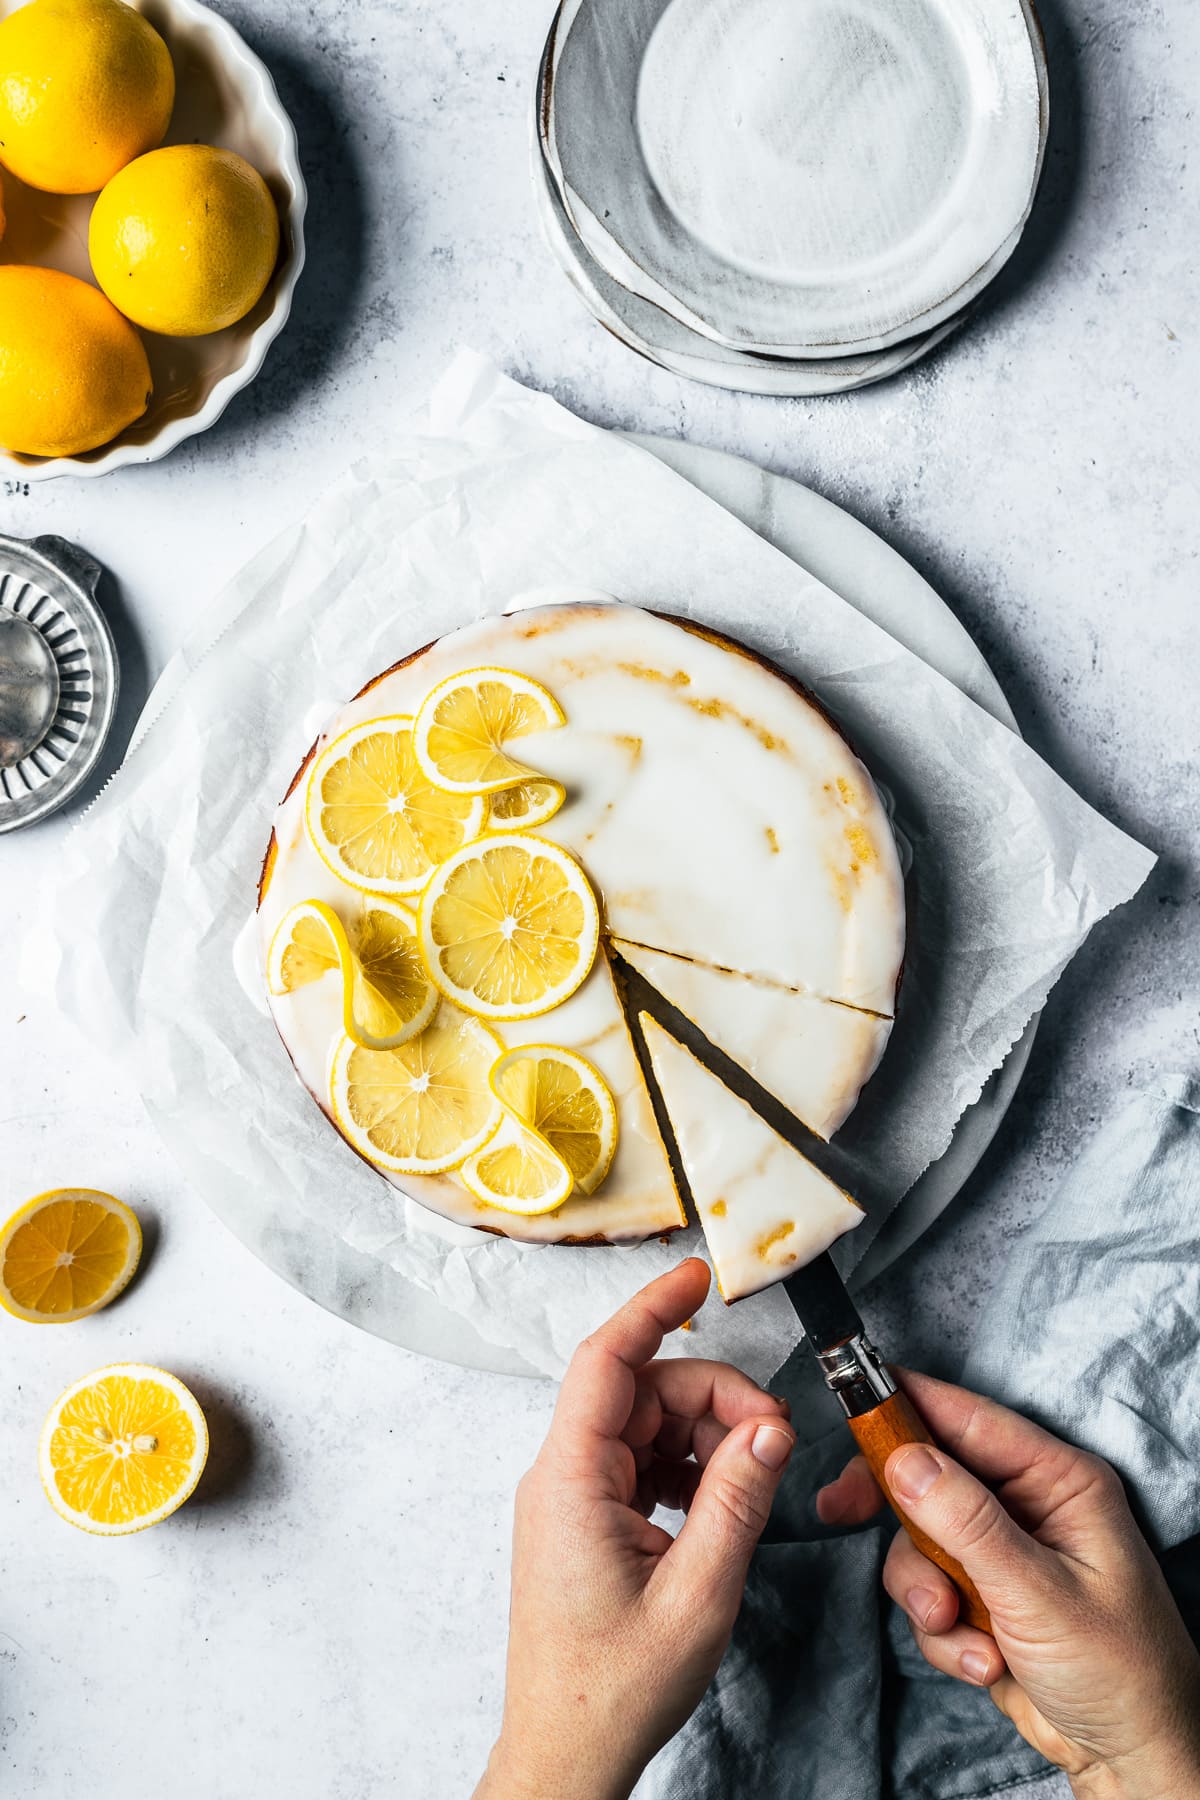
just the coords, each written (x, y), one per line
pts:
(764, 1209)
(815, 1056)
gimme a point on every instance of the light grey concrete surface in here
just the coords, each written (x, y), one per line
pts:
(327, 1619)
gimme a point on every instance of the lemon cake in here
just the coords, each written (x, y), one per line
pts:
(471, 835)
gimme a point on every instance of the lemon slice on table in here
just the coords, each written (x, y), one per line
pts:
(122, 1448)
(464, 725)
(374, 816)
(66, 1254)
(566, 1101)
(387, 996)
(421, 1109)
(518, 1172)
(525, 806)
(509, 927)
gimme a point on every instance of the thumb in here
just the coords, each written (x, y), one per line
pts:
(965, 1518)
(731, 1507)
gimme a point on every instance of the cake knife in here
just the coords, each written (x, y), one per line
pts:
(880, 1417)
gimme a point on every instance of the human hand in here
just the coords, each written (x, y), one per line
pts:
(1091, 1660)
(616, 1628)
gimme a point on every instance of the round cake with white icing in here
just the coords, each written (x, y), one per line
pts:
(496, 824)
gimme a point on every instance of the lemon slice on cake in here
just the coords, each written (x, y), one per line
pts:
(465, 724)
(121, 1449)
(518, 1172)
(509, 926)
(526, 806)
(387, 996)
(425, 1107)
(566, 1101)
(66, 1254)
(375, 818)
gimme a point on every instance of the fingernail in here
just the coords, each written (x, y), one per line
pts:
(915, 1472)
(920, 1604)
(771, 1447)
(782, 1401)
(975, 1666)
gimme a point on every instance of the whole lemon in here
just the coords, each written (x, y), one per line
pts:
(73, 372)
(85, 86)
(184, 240)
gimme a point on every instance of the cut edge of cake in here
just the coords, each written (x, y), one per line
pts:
(765, 1210)
(814, 1056)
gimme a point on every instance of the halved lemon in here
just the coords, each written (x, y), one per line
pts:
(525, 806)
(387, 996)
(509, 926)
(375, 817)
(122, 1448)
(566, 1101)
(463, 727)
(518, 1172)
(421, 1109)
(66, 1254)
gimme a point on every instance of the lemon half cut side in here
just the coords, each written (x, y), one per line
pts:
(122, 1449)
(67, 1253)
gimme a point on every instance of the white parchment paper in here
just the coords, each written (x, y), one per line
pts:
(496, 490)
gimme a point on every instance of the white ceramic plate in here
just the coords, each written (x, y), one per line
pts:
(664, 340)
(798, 177)
(870, 575)
(224, 96)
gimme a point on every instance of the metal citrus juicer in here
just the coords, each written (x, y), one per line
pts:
(58, 676)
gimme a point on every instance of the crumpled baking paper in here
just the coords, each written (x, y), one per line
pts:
(493, 491)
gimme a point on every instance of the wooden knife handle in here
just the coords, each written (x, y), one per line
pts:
(877, 1434)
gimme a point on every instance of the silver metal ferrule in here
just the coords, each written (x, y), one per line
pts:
(854, 1371)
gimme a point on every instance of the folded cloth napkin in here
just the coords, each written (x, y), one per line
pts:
(1092, 1330)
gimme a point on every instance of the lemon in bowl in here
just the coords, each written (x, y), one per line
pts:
(85, 86)
(73, 371)
(185, 239)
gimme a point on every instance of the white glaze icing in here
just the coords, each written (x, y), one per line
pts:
(814, 1055)
(719, 815)
(718, 812)
(765, 1211)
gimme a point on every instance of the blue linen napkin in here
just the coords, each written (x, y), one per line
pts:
(1092, 1329)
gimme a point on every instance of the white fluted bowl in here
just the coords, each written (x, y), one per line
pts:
(224, 96)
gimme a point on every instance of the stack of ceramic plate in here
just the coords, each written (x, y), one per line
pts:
(787, 196)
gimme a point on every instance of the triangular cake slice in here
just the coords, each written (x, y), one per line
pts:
(815, 1056)
(765, 1210)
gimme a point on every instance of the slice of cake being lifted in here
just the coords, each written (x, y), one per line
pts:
(765, 1211)
(814, 1056)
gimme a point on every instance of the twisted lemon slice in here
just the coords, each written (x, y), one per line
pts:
(465, 723)
(375, 818)
(566, 1101)
(559, 1132)
(66, 1254)
(387, 996)
(422, 1108)
(518, 1172)
(509, 927)
(122, 1449)
(526, 806)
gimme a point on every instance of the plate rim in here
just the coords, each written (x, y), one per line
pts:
(588, 228)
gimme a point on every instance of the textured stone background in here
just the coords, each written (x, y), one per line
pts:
(329, 1619)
